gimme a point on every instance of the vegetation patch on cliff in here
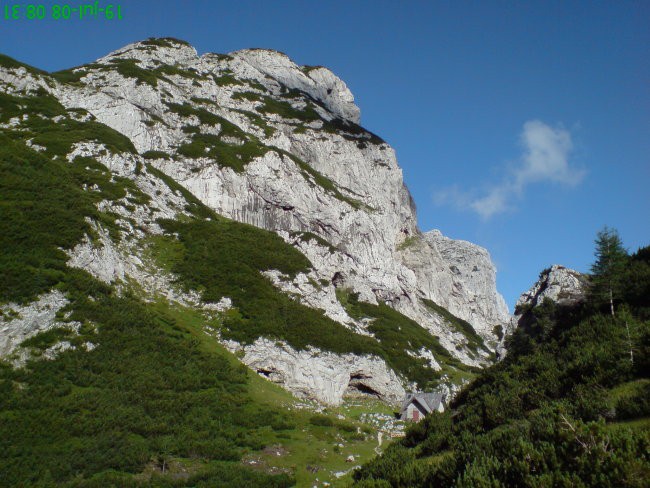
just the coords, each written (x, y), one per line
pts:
(44, 212)
(396, 335)
(35, 114)
(11, 63)
(310, 236)
(474, 341)
(235, 156)
(170, 42)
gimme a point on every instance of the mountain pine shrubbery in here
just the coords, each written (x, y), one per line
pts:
(148, 392)
(569, 405)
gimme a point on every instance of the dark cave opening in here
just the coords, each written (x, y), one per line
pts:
(357, 386)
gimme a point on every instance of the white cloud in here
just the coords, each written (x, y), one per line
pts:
(545, 158)
(496, 201)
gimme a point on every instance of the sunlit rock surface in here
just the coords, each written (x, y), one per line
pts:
(314, 176)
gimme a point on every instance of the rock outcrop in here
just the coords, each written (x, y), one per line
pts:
(459, 276)
(317, 81)
(560, 284)
(21, 322)
(321, 375)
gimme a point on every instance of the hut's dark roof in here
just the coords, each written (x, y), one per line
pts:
(428, 401)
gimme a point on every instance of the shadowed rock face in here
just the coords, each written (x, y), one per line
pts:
(284, 152)
(562, 285)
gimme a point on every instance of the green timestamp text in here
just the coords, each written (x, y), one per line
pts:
(64, 11)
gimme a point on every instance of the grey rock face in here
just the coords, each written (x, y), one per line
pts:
(320, 375)
(557, 283)
(20, 322)
(325, 185)
(317, 81)
(462, 278)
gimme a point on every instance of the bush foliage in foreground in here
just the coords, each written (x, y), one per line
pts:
(567, 407)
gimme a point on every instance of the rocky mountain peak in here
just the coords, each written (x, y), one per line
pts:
(255, 138)
(558, 283)
(475, 274)
(155, 51)
(317, 81)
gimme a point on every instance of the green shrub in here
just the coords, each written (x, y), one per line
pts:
(321, 420)
(250, 96)
(164, 42)
(634, 405)
(310, 236)
(226, 79)
(7, 62)
(48, 338)
(287, 111)
(155, 155)
(225, 155)
(204, 116)
(168, 69)
(351, 131)
(129, 68)
(69, 76)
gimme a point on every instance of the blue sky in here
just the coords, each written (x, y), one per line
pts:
(521, 126)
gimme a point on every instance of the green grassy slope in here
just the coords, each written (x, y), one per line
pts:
(145, 392)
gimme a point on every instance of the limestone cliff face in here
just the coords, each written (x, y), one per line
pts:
(459, 276)
(264, 141)
(319, 374)
(557, 283)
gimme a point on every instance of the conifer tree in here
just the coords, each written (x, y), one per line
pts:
(609, 269)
